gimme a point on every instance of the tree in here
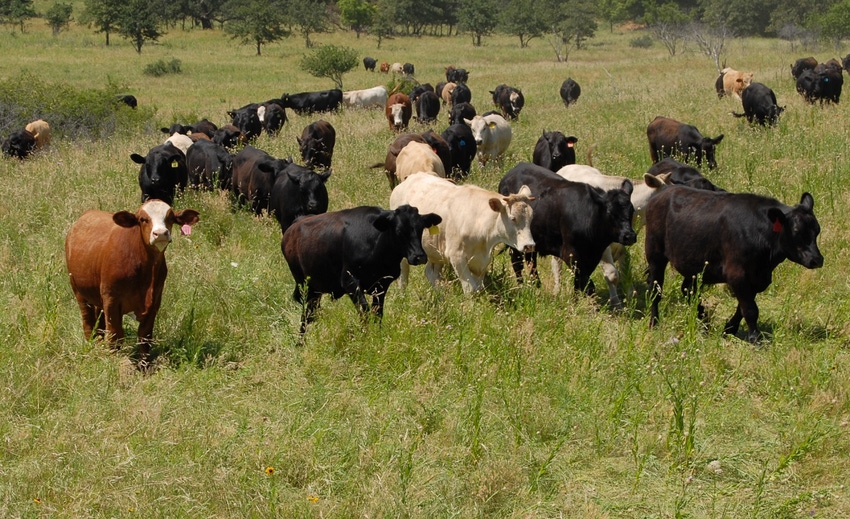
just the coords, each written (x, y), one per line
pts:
(521, 18)
(58, 16)
(383, 22)
(711, 40)
(140, 21)
(570, 25)
(476, 17)
(103, 15)
(668, 22)
(17, 12)
(835, 23)
(357, 14)
(330, 61)
(207, 11)
(309, 16)
(257, 22)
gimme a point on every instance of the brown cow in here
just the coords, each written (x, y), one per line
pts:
(116, 263)
(433, 139)
(398, 111)
(669, 136)
(41, 131)
(385, 67)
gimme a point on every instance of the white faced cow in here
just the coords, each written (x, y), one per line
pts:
(492, 135)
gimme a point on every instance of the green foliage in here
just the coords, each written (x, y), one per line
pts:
(257, 22)
(835, 23)
(161, 67)
(140, 21)
(103, 15)
(330, 61)
(524, 19)
(476, 17)
(357, 14)
(309, 16)
(641, 42)
(17, 12)
(58, 16)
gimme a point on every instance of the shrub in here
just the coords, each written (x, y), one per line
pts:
(642, 42)
(330, 61)
(161, 68)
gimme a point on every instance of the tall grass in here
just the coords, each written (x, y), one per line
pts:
(517, 402)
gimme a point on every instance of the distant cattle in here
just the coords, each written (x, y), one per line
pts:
(460, 112)
(446, 93)
(554, 150)
(408, 69)
(461, 94)
(737, 239)
(128, 99)
(272, 117)
(682, 174)
(385, 67)
(718, 85)
(475, 220)
(572, 221)
(177, 128)
(116, 265)
(369, 63)
(297, 192)
(456, 75)
(734, 82)
(492, 135)
(306, 103)
(317, 143)
(509, 100)
(19, 144)
(760, 106)
(397, 68)
(823, 83)
(254, 174)
(366, 98)
(463, 149)
(570, 91)
(355, 251)
(163, 171)
(210, 166)
(427, 107)
(417, 90)
(845, 63)
(668, 136)
(803, 64)
(398, 111)
(417, 157)
(41, 131)
(247, 120)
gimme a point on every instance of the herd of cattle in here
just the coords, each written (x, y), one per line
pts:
(551, 207)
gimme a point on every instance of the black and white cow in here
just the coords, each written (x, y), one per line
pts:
(509, 100)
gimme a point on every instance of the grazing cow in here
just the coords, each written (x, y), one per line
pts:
(128, 99)
(456, 75)
(366, 98)
(460, 112)
(803, 64)
(475, 220)
(355, 251)
(385, 67)
(210, 166)
(272, 117)
(718, 85)
(408, 69)
(509, 100)
(247, 120)
(682, 174)
(417, 91)
(446, 93)
(554, 150)
(463, 148)
(163, 171)
(183, 129)
(461, 94)
(254, 174)
(397, 68)
(369, 63)
(570, 90)
(737, 239)
(398, 111)
(317, 144)
(437, 143)
(228, 136)
(297, 192)
(734, 82)
(41, 131)
(306, 103)
(613, 258)
(574, 221)
(417, 157)
(181, 142)
(116, 265)
(427, 107)
(205, 127)
(667, 136)
(20, 144)
(759, 103)
(823, 84)
(492, 135)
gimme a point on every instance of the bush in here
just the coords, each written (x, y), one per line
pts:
(161, 68)
(401, 84)
(330, 61)
(643, 42)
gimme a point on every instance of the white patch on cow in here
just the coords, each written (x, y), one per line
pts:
(261, 114)
(160, 234)
(181, 142)
(396, 111)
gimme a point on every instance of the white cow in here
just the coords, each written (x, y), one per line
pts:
(643, 190)
(492, 135)
(180, 141)
(418, 157)
(397, 68)
(367, 98)
(475, 220)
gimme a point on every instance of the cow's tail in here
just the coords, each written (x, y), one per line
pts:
(736, 114)
(377, 165)
(590, 155)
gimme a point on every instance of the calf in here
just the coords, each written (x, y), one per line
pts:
(737, 239)
(456, 75)
(475, 220)
(416, 157)
(667, 136)
(369, 63)
(682, 174)
(398, 111)
(297, 192)
(366, 98)
(460, 112)
(509, 100)
(554, 150)
(127, 99)
(254, 174)
(574, 221)
(272, 117)
(492, 135)
(355, 251)
(446, 93)
(306, 103)
(163, 171)
(462, 146)
(116, 265)
(759, 103)
(317, 144)
(408, 69)
(427, 107)
(735, 81)
(570, 90)
(209, 166)
(397, 68)
(247, 120)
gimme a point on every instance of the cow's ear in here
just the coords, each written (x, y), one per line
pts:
(265, 167)
(166, 131)
(231, 113)
(467, 121)
(384, 220)
(325, 175)
(497, 204)
(293, 176)
(125, 219)
(807, 202)
(717, 139)
(299, 140)
(138, 159)
(431, 219)
(777, 218)
(187, 217)
(627, 186)
(572, 140)
(525, 191)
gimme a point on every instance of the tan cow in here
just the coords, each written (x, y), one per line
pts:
(446, 93)
(41, 131)
(735, 81)
(475, 220)
(418, 157)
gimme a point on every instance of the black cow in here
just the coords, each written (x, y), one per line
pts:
(209, 164)
(845, 63)
(206, 127)
(667, 136)
(509, 100)
(417, 91)
(570, 90)
(439, 145)
(408, 69)
(463, 148)
(272, 117)
(803, 64)
(247, 120)
(228, 136)
(823, 83)
(317, 144)
(554, 150)
(573, 221)
(461, 94)
(682, 174)
(254, 174)
(163, 172)
(128, 99)
(182, 129)
(355, 251)
(19, 144)
(737, 239)
(460, 112)
(427, 107)
(759, 103)
(310, 102)
(718, 85)
(369, 63)
(297, 192)
(456, 75)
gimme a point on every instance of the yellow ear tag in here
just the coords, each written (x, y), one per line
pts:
(492, 125)
(433, 230)
(173, 163)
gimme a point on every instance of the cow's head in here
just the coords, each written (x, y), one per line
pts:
(516, 215)
(620, 213)
(798, 231)
(406, 225)
(155, 219)
(480, 128)
(163, 169)
(312, 193)
(397, 115)
(707, 146)
(19, 144)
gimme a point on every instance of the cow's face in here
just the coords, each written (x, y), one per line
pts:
(707, 147)
(155, 219)
(799, 231)
(406, 225)
(312, 193)
(517, 102)
(397, 115)
(516, 214)
(163, 166)
(480, 129)
(620, 213)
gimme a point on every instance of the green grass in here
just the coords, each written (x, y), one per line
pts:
(513, 403)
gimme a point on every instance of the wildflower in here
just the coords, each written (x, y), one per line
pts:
(313, 498)
(270, 471)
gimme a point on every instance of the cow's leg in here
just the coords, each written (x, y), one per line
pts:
(351, 285)
(308, 309)
(747, 310)
(468, 281)
(433, 273)
(516, 263)
(114, 326)
(583, 283)
(378, 297)
(689, 295)
(404, 273)
(89, 315)
(612, 277)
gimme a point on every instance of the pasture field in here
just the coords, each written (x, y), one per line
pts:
(517, 402)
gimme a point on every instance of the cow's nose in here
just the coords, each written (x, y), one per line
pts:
(479, 141)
